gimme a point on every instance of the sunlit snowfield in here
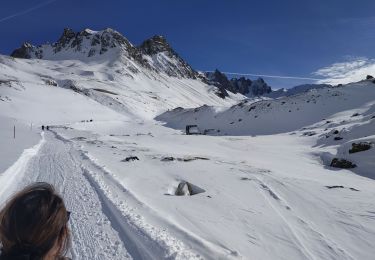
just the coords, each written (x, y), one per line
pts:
(261, 183)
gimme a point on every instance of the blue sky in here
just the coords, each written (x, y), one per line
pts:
(274, 37)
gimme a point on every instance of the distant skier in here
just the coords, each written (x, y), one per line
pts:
(47, 127)
(42, 127)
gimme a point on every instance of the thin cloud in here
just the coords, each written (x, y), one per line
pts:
(26, 11)
(353, 70)
(270, 76)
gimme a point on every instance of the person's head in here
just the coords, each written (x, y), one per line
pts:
(33, 224)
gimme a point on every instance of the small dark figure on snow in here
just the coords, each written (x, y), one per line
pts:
(47, 127)
(42, 127)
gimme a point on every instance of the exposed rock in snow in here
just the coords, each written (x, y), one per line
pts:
(164, 58)
(130, 158)
(184, 189)
(360, 147)
(342, 163)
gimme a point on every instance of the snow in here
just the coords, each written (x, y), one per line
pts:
(12, 148)
(263, 188)
(275, 116)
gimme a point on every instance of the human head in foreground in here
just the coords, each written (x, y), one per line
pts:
(34, 225)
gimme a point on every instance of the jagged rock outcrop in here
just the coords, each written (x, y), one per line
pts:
(360, 147)
(241, 85)
(165, 58)
(27, 51)
(342, 164)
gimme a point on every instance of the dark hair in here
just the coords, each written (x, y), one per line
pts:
(34, 222)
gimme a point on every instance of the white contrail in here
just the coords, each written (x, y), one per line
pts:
(268, 76)
(26, 11)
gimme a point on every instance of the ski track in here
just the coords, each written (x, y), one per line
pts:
(99, 229)
(103, 225)
(301, 230)
(92, 234)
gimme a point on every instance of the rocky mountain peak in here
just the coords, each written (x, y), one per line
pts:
(154, 54)
(240, 85)
(24, 51)
(155, 44)
(165, 58)
(86, 43)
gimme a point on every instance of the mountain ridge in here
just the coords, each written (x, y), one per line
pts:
(154, 53)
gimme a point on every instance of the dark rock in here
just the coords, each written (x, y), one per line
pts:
(342, 163)
(187, 189)
(167, 159)
(130, 158)
(189, 159)
(335, 132)
(310, 133)
(335, 187)
(184, 189)
(368, 77)
(338, 138)
(360, 147)
(355, 114)
(353, 189)
(252, 108)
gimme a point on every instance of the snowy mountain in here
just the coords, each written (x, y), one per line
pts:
(140, 80)
(286, 177)
(89, 45)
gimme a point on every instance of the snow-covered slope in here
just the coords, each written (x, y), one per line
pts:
(341, 117)
(274, 116)
(142, 94)
(295, 90)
